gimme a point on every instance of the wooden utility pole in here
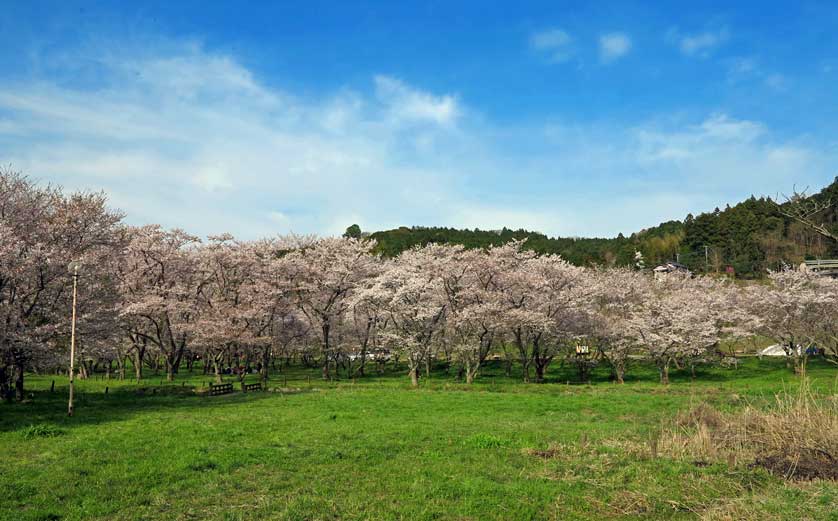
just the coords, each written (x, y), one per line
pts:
(74, 269)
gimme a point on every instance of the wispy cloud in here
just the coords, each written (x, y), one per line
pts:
(700, 44)
(744, 69)
(613, 46)
(777, 82)
(554, 43)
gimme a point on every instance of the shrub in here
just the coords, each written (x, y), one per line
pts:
(41, 430)
(487, 441)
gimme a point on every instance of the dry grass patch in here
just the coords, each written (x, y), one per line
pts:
(796, 438)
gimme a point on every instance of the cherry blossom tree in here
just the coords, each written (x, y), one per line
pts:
(410, 296)
(826, 336)
(325, 275)
(796, 308)
(618, 295)
(566, 298)
(519, 288)
(473, 319)
(545, 303)
(158, 281)
(41, 231)
(679, 317)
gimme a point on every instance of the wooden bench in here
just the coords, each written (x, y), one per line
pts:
(216, 389)
(251, 387)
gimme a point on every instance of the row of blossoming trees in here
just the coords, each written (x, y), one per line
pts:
(164, 298)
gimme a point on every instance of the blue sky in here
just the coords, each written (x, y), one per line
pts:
(564, 117)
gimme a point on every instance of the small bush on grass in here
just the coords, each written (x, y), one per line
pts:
(796, 438)
(41, 430)
(487, 441)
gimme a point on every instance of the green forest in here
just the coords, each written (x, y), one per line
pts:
(746, 239)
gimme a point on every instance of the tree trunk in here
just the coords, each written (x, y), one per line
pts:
(524, 356)
(620, 372)
(428, 365)
(326, 352)
(263, 371)
(176, 364)
(364, 346)
(471, 372)
(19, 382)
(664, 372)
(139, 354)
(539, 372)
(5, 389)
(414, 376)
(216, 364)
(360, 371)
(120, 363)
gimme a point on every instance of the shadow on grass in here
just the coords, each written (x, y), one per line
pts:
(125, 399)
(45, 407)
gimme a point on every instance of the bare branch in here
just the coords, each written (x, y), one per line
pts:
(802, 208)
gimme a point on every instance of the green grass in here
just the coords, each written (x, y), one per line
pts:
(375, 449)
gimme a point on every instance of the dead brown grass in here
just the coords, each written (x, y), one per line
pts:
(796, 438)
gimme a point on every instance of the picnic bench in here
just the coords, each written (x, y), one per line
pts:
(217, 389)
(251, 387)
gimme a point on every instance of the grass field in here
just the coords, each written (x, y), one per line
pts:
(376, 449)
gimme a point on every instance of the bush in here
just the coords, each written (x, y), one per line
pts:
(796, 438)
(487, 441)
(41, 430)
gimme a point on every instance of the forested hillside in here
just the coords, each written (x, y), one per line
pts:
(748, 238)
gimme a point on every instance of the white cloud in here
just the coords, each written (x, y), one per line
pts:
(613, 46)
(698, 44)
(487, 217)
(407, 104)
(222, 151)
(723, 150)
(195, 141)
(556, 44)
(212, 178)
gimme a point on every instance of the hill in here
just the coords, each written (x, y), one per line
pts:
(748, 238)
